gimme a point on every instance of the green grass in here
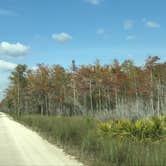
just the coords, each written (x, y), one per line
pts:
(112, 143)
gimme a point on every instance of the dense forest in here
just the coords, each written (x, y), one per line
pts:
(123, 107)
(121, 89)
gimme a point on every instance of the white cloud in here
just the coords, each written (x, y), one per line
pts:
(34, 68)
(5, 69)
(130, 37)
(4, 12)
(128, 24)
(100, 31)
(6, 66)
(95, 2)
(1, 91)
(152, 24)
(62, 37)
(13, 50)
(130, 56)
(4, 82)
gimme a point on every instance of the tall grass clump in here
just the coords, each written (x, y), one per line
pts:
(114, 142)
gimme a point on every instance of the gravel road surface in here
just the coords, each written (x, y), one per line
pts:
(19, 146)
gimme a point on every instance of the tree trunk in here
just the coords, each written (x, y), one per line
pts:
(90, 94)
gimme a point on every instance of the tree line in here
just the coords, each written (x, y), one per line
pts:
(54, 90)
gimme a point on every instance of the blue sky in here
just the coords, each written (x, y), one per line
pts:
(57, 31)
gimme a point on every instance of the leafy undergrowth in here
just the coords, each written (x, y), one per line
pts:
(111, 143)
(142, 130)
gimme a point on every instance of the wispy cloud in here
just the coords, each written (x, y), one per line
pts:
(62, 37)
(130, 37)
(100, 31)
(152, 24)
(6, 66)
(95, 2)
(13, 50)
(128, 24)
(5, 12)
(103, 34)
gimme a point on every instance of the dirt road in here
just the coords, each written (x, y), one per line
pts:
(19, 146)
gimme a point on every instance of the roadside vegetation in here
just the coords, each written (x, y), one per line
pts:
(111, 114)
(114, 142)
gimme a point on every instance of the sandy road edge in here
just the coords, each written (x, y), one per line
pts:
(44, 137)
